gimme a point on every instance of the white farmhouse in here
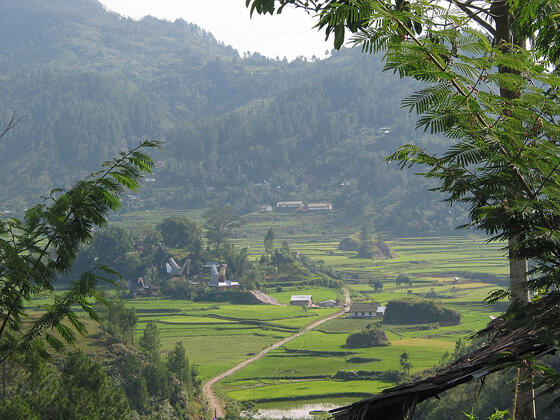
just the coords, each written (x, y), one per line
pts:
(301, 300)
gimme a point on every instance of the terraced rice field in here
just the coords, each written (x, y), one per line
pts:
(218, 336)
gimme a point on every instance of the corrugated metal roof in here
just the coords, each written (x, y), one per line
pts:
(301, 297)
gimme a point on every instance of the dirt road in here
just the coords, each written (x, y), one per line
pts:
(214, 401)
(264, 298)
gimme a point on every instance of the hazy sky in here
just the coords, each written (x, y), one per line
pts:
(289, 34)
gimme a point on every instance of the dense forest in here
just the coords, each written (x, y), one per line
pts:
(242, 130)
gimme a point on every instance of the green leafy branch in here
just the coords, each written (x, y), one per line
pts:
(45, 244)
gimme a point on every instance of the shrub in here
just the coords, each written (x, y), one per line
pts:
(349, 244)
(367, 338)
(357, 359)
(385, 375)
(419, 311)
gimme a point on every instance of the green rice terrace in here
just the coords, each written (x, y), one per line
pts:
(316, 367)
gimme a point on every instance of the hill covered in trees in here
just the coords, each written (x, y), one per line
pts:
(243, 131)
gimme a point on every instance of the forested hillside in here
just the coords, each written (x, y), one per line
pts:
(238, 130)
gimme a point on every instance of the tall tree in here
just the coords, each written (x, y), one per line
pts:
(404, 361)
(150, 342)
(365, 233)
(181, 233)
(87, 393)
(269, 242)
(178, 363)
(499, 100)
(220, 221)
(119, 321)
(109, 247)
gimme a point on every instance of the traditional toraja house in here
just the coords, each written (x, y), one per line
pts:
(506, 344)
(173, 269)
(218, 277)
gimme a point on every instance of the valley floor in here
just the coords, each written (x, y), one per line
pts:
(459, 271)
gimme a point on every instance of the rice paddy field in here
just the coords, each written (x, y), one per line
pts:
(217, 336)
(459, 271)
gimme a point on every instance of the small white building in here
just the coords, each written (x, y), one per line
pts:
(289, 204)
(363, 310)
(320, 206)
(301, 300)
(327, 303)
(266, 207)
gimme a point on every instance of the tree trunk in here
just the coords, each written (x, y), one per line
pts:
(517, 276)
(524, 399)
(4, 381)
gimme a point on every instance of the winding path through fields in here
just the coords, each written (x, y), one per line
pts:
(214, 401)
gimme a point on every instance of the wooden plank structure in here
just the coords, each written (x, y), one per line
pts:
(509, 341)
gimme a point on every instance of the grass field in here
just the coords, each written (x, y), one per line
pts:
(460, 270)
(218, 336)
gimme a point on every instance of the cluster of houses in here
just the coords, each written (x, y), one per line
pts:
(357, 310)
(217, 274)
(216, 279)
(299, 205)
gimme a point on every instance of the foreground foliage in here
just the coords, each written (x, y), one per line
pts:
(81, 390)
(44, 245)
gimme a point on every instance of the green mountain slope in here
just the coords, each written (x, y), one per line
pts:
(243, 131)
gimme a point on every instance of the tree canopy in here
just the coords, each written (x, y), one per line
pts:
(491, 86)
(219, 222)
(35, 250)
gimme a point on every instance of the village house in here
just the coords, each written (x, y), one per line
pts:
(327, 303)
(218, 277)
(301, 300)
(319, 206)
(363, 310)
(289, 204)
(173, 269)
(145, 289)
